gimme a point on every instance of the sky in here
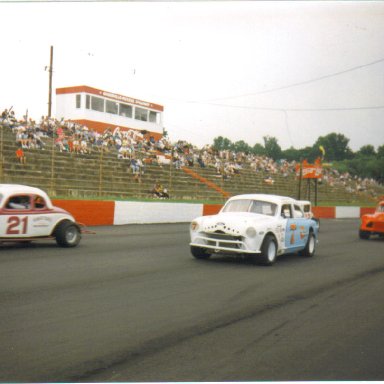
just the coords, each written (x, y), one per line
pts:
(242, 70)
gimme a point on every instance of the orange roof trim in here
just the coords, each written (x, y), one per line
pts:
(108, 95)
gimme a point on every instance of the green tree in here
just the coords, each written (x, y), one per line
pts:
(241, 146)
(380, 152)
(335, 145)
(366, 151)
(272, 148)
(221, 143)
(258, 150)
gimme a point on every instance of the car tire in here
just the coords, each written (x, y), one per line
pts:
(67, 234)
(268, 251)
(199, 253)
(310, 247)
(364, 235)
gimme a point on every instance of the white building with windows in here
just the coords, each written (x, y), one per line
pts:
(98, 110)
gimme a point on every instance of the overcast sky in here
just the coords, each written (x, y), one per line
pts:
(243, 70)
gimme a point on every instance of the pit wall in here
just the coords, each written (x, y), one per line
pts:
(93, 213)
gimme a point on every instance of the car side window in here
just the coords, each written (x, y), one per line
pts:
(39, 202)
(298, 211)
(286, 211)
(19, 202)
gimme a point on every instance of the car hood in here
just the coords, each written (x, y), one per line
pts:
(234, 221)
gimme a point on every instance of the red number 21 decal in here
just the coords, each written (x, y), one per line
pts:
(17, 226)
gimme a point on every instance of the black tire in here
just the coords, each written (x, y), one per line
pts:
(67, 234)
(364, 235)
(310, 247)
(199, 253)
(268, 251)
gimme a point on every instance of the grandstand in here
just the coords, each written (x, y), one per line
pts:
(102, 175)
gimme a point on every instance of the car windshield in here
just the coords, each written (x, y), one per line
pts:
(250, 205)
(380, 208)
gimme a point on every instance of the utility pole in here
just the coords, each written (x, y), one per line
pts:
(50, 70)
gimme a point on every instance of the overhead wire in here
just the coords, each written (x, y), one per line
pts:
(304, 82)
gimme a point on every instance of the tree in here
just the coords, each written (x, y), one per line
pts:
(367, 151)
(241, 146)
(258, 150)
(335, 145)
(221, 143)
(380, 152)
(272, 148)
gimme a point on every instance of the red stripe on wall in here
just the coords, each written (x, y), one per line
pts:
(324, 212)
(211, 209)
(89, 212)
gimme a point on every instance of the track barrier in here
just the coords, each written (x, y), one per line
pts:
(94, 213)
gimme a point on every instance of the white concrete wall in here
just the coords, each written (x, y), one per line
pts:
(130, 212)
(347, 212)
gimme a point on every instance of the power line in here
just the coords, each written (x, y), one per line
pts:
(294, 109)
(301, 82)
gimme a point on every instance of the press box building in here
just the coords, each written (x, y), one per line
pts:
(98, 110)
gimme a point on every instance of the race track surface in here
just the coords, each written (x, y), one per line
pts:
(131, 304)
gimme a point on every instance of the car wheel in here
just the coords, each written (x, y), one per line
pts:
(268, 251)
(199, 253)
(364, 234)
(310, 247)
(67, 234)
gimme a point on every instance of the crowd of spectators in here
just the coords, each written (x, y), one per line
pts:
(139, 148)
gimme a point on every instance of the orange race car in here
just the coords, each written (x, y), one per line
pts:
(372, 224)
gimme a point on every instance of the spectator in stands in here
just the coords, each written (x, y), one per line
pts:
(201, 162)
(20, 155)
(135, 166)
(159, 191)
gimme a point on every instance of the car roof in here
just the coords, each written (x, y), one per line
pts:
(10, 189)
(265, 197)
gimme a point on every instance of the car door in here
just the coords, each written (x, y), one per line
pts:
(296, 231)
(14, 218)
(25, 215)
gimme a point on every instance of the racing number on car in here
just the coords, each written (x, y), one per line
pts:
(17, 225)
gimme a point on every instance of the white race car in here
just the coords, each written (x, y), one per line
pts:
(27, 213)
(263, 226)
(306, 206)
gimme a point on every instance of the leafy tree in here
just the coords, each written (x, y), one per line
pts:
(380, 152)
(367, 151)
(335, 145)
(241, 146)
(272, 148)
(221, 143)
(258, 150)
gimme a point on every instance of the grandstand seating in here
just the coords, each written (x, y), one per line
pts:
(103, 175)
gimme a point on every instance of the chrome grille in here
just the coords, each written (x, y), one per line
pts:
(229, 241)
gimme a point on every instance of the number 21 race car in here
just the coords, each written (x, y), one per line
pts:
(27, 213)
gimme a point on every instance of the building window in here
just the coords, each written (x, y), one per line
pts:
(88, 101)
(78, 101)
(141, 114)
(153, 117)
(111, 107)
(125, 110)
(97, 104)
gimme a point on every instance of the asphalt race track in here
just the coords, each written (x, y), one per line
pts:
(131, 304)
